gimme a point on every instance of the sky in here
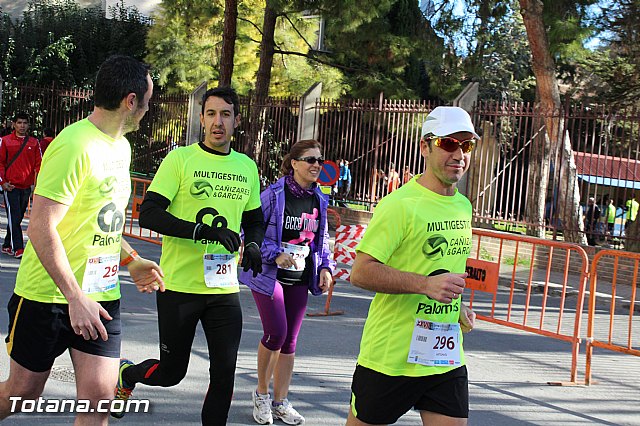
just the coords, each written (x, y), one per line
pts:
(15, 7)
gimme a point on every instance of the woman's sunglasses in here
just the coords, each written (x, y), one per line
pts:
(312, 160)
(450, 144)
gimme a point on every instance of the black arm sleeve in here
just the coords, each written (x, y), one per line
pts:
(154, 216)
(253, 226)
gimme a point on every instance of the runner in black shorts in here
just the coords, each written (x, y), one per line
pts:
(382, 399)
(44, 332)
(67, 293)
(413, 255)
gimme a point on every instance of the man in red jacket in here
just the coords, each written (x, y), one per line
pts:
(20, 159)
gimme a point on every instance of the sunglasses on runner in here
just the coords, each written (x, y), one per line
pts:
(450, 144)
(312, 160)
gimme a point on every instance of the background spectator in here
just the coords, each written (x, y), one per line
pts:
(631, 207)
(48, 135)
(406, 175)
(393, 179)
(20, 159)
(344, 183)
(590, 220)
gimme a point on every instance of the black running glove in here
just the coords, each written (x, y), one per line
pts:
(252, 259)
(229, 239)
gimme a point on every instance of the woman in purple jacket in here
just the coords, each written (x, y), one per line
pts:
(295, 260)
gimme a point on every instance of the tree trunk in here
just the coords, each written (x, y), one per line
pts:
(228, 42)
(559, 147)
(569, 209)
(263, 79)
(539, 168)
(632, 234)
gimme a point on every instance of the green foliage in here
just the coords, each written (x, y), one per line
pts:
(521, 261)
(183, 47)
(487, 44)
(568, 28)
(60, 41)
(386, 46)
(611, 74)
(373, 47)
(510, 227)
(293, 74)
(486, 255)
(53, 59)
(491, 44)
(506, 73)
(275, 154)
(186, 51)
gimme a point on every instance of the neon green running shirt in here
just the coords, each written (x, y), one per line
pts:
(208, 188)
(632, 209)
(611, 213)
(414, 230)
(88, 171)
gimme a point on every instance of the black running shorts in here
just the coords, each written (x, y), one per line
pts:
(40, 332)
(380, 399)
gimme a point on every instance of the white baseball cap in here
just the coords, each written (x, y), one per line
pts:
(445, 120)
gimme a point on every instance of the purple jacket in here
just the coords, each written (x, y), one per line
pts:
(272, 200)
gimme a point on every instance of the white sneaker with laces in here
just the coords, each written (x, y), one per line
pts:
(287, 413)
(262, 409)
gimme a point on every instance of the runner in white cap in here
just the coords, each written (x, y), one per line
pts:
(413, 255)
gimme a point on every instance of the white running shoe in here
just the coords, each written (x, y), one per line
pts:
(287, 413)
(262, 409)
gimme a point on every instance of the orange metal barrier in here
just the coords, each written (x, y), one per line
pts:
(540, 269)
(615, 332)
(132, 229)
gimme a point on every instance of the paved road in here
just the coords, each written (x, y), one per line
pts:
(509, 369)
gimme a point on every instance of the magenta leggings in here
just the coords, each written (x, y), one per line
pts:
(282, 316)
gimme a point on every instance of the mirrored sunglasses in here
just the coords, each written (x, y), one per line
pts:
(312, 160)
(450, 144)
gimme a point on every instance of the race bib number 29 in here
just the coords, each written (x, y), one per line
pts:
(101, 274)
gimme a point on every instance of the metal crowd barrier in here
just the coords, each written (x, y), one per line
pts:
(132, 229)
(529, 284)
(612, 322)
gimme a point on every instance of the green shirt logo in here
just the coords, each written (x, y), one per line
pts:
(435, 247)
(107, 186)
(201, 190)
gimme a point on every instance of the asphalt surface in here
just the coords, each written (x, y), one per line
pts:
(508, 369)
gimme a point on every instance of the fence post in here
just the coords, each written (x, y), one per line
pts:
(193, 114)
(467, 97)
(377, 139)
(309, 114)
(465, 100)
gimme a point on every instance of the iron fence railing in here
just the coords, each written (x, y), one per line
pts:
(376, 135)
(379, 138)
(161, 129)
(605, 153)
